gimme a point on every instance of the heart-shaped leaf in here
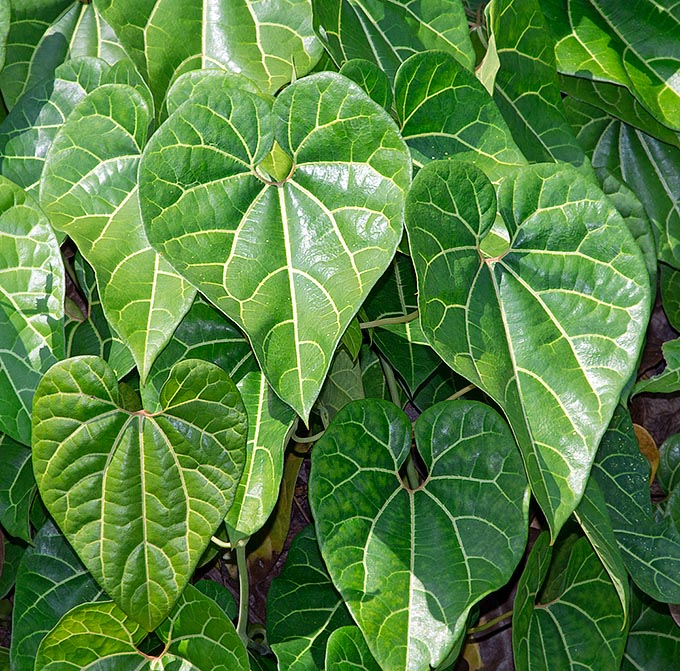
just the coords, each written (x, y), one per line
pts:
(288, 257)
(347, 649)
(165, 479)
(410, 564)
(550, 326)
(31, 306)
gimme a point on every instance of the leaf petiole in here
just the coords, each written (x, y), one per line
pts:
(387, 321)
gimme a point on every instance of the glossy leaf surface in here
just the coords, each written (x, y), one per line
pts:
(445, 111)
(31, 306)
(291, 257)
(411, 563)
(51, 580)
(303, 607)
(89, 191)
(269, 42)
(387, 33)
(577, 623)
(167, 478)
(551, 327)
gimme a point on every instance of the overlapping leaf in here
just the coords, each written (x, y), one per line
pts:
(51, 580)
(411, 563)
(291, 256)
(668, 381)
(347, 649)
(303, 607)
(650, 547)
(166, 478)
(371, 79)
(343, 385)
(31, 306)
(669, 463)
(89, 190)
(670, 295)
(387, 33)
(527, 89)
(551, 326)
(445, 111)
(43, 35)
(17, 487)
(270, 42)
(576, 621)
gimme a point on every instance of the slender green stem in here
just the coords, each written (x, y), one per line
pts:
(308, 439)
(243, 592)
(403, 319)
(392, 384)
(220, 543)
(461, 392)
(490, 624)
(412, 476)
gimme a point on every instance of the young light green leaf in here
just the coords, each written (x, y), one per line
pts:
(649, 167)
(272, 43)
(167, 478)
(43, 35)
(527, 89)
(89, 191)
(51, 580)
(254, 245)
(17, 487)
(31, 306)
(445, 111)
(387, 33)
(670, 295)
(668, 381)
(346, 650)
(576, 622)
(411, 563)
(551, 327)
(650, 547)
(654, 638)
(269, 425)
(303, 607)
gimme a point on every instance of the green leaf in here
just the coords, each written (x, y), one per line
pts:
(89, 191)
(343, 384)
(654, 638)
(403, 345)
(220, 595)
(5, 11)
(11, 553)
(28, 131)
(388, 32)
(31, 306)
(650, 167)
(371, 79)
(346, 649)
(51, 580)
(270, 423)
(445, 111)
(167, 478)
(269, 42)
(551, 328)
(592, 515)
(253, 246)
(576, 620)
(668, 473)
(668, 381)
(411, 563)
(206, 334)
(527, 89)
(92, 335)
(17, 487)
(44, 34)
(670, 295)
(650, 547)
(303, 607)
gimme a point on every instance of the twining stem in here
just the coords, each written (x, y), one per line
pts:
(404, 319)
(220, 543)
(308, 439)
(461, 392)
(490, 624)
(243, 593)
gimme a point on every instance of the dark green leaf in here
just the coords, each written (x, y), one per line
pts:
(220, 595)
(371, 79)
(347, 650)
(11, 553)
(668, 381)
(668, 472)
(670, 295)
(17, 487)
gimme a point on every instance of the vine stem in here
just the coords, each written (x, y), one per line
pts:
(243, 592)
(490, 624)
(403, 319)
(461, 392)
(220, 543)
(308, 439)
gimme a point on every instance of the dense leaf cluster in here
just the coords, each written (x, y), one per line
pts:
(232, 228)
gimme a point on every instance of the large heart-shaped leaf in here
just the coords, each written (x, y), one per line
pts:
(387, 33)
(89, 190)
(166, 479)
(576, 622)
(550, 326)
(410, 564)
(271, 42)
(290, 257)
(31, 306)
